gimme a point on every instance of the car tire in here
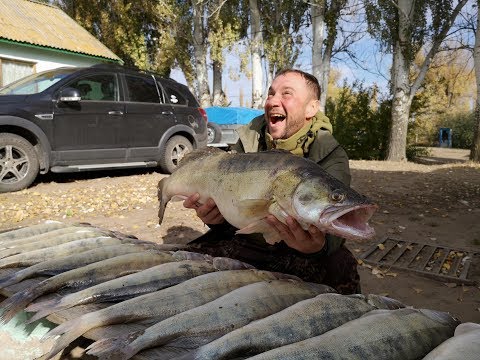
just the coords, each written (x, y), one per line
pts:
(175, 149)
(214, 133)
(18, 163)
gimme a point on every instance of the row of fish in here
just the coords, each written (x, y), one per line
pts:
(193, 306)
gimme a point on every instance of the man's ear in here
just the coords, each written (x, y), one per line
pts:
(313, 107)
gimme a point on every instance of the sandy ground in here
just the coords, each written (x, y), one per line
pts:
(436, 202)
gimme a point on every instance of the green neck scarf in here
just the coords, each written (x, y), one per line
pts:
(299, 143)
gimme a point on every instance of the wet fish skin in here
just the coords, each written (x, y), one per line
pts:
(49, 242)
(403, 334)
(36, 256)
(31, 230)
(58, 265)
(83, 277)
(45, 236)
(161, 304)
(248, 187)
(143, 282)
(303, 320)
(204, 323)
(464, 345)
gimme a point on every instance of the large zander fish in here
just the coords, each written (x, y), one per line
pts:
(248, 187)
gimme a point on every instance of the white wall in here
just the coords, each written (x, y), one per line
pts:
(44, 59)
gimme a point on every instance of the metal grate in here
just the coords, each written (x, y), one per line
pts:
(440, 262)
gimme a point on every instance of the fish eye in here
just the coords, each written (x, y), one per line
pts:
(337, 196)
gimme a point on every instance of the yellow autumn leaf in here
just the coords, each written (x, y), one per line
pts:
(381, 246)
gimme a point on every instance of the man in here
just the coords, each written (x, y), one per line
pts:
(292, 122)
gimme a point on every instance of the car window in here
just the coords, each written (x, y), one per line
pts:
(142, 89)
(100, 87)
(36, 83)
(174, 96)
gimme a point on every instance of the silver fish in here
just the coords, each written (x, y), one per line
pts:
(303, 320)
(126, 287)
(161, 304)
(464, 345)
(31, 230)
(83, 277)
(204, 323)
(248, 187)
(403, 334)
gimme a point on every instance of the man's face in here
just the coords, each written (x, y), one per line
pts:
(290, 104)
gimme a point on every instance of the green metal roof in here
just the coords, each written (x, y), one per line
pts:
(41, 25)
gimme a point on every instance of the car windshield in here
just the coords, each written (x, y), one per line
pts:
(36, 83)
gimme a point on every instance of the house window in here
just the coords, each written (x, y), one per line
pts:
(11, 70)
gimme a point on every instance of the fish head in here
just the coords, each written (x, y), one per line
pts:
(332, 207)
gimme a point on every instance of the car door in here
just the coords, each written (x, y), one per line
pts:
(93, 129)
(148, 116)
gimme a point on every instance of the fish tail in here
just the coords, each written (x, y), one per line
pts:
(13, 279)
(15, 303)
(163, 198)
(116, 348)
(225, 263)
(44, 308)
(69, 331)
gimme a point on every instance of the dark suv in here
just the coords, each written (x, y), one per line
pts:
(98, 117)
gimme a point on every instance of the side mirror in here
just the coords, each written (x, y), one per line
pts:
(70, 95)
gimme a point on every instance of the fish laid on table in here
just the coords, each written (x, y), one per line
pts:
(207, 322)
(74, 247)
(155, 278)
(403, 334)
(35, 244)
(31, 230)
(464, 345)
(161, 304)
(248, 187)
(303, 320)
(83, 277)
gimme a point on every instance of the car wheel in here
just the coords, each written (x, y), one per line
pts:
(214, 133)
(175, 149)
(18, 163)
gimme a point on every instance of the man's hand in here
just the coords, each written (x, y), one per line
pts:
(207, 212)
(307, 242)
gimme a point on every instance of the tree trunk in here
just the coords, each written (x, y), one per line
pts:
(397, 146)
(219, 97)
(200, 53)
(256, 46)
(475, 151)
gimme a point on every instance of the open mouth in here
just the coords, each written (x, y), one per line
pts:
(350, 222)
(276, 117)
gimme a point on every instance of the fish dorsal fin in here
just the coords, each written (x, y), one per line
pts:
(200, 154)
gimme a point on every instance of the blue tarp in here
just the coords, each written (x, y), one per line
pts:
(231, 115)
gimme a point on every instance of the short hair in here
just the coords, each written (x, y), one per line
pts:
(311, 80)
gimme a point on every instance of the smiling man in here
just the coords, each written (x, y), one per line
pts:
(292, 122)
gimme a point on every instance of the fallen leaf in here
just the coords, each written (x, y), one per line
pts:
(381, 246)
(417, 290)
(376, 271)
(392, 274)
(450, 285)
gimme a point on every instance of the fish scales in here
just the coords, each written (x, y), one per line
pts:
(209, 321)
(161, 304)
(36, 256)
(56, 266)
(248, 187)
(83, 277)
(30, 231)
(125, 287)
(401, 334)
(303, 320)
(53, 241)
(45, 236)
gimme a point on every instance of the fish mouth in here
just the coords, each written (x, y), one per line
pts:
(349, 222)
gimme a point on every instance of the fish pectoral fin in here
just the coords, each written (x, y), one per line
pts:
(254, 208)
(270, 235)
